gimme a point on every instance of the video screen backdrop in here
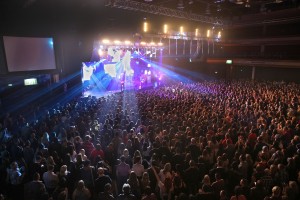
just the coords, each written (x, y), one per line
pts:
(29, 53)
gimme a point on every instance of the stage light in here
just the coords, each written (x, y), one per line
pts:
(51, 43)
(127, 42)
(165, 29)
(181, 30)
(208, 33)
(105, 41)
(145, 27)
(117, 42)
(100, 52)
(143, 43)
(149, 65)
(152, 43)
(196, 32)
(149, 72)
(219, 34)
(160, 44)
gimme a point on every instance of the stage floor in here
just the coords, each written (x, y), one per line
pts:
(97, 92)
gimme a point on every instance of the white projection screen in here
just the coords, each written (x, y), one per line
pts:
(29, 53)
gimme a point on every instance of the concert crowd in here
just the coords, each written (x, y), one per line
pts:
(211, 140)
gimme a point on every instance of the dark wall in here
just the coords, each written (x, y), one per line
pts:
(203, 71)
(3, 69)
(278, 74)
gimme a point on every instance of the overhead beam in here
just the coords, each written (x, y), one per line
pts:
(159, 10)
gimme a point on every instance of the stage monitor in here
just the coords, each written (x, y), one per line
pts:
(25, 54)
(30, 81)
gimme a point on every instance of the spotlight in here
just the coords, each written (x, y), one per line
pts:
(145, 27)
(208, 33)
(105, 41)
(181, 30)
(196, 32)
(100, 52)
(219, 34)
(165, 29)
(127, 42)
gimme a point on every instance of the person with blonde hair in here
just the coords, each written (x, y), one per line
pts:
(206, 187)
(276, 193)
(166, 178)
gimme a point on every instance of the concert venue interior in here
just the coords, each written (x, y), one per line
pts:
(220, 41)
(206, 91)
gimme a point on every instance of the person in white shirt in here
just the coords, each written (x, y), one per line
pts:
(137, 167)
(50, 179)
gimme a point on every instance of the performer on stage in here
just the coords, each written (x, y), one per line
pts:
(122, 81)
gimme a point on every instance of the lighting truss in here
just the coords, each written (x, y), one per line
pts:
(159, 10)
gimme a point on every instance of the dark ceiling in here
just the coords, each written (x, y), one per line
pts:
(25, 15)
(224, 8)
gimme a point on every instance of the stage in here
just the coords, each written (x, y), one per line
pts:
(100, 92)
(118, 68)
